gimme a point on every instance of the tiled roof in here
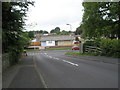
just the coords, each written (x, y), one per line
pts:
(55, 38)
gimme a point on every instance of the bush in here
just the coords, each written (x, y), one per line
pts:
(14, 55)
(97, 42)
(110, 47)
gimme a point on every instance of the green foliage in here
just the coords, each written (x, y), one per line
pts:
(78, 53)
(79, 31)
(45, 32)
(110, 47)
(63, 32)
(13, 20)
(87, 43)
(97, 42)
(56, 30)
(101, 19)
(76, 39)
(31, 34)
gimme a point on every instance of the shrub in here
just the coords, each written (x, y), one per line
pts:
(110, 47)
(96, 42)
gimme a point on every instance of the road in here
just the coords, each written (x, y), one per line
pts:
(59, 71)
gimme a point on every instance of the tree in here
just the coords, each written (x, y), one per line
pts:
(63, 32)
(41, 31)
(13, 20)
(78, 31)
(45, 32)
(31, 34)
(77, 39)
(56, 30)
(101, 19)
(52, 31)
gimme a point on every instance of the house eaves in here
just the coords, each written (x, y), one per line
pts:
(56, 38)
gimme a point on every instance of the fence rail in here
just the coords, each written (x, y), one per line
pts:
(92, 49)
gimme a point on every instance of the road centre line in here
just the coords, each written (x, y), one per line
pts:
(45, 53)
(50, 56)
(56, 58)
(70, 63)
(62, 60)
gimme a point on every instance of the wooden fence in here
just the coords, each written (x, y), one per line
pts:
(92, 49)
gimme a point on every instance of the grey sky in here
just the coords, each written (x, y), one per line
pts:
(48, 14)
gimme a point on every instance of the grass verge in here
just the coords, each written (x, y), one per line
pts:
(78, 53)
(91, 54)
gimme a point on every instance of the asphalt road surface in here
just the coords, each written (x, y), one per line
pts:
(59, 71)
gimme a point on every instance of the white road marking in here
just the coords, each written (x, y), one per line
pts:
(45, 53)
(50, 56)
(70, 63)
(56, 58)
(59, 59)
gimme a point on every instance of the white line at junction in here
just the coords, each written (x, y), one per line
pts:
(74, 64)
(70, 63)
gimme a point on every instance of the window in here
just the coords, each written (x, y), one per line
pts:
(49, 41)
(62, 41)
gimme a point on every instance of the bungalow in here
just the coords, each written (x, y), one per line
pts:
(56, 40)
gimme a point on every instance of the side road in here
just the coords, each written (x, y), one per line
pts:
(23, 75)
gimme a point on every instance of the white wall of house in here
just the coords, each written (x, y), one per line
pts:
(50, 43)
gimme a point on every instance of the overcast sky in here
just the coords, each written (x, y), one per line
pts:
(48, 14)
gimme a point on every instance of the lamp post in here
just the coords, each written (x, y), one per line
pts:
(70, 30)
(70, 26)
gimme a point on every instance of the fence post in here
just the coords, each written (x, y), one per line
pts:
(81, 47)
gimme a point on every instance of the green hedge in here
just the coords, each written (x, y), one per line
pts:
(110, 47)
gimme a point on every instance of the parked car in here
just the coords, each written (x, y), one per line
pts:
(75, 48)
(77, 42)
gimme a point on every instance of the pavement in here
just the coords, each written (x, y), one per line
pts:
(23, 75)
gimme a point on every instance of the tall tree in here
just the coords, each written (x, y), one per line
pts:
(101, 19)
(56, 30)
(13, 20)
(78, 31)
(31, 34)
(45, 32)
